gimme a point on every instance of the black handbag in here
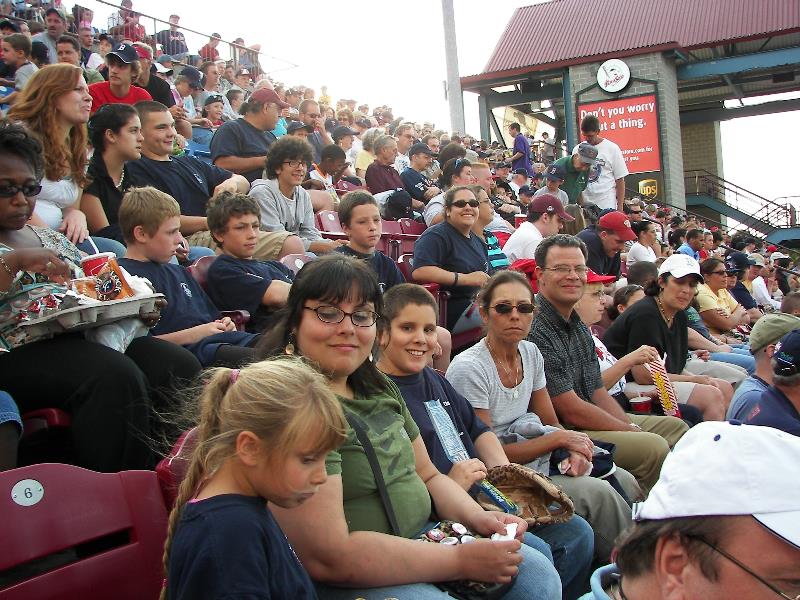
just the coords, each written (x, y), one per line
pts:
(462, 589)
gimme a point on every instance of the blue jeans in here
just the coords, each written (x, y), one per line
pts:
(195, 252)
(572, 547)
(103, 245)
(537, 579)
(737, 356)
(9, 413)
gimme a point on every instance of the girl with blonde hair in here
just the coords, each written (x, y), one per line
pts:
(263, 435)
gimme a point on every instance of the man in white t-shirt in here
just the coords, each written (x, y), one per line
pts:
(545, 216)
(554, 177)
(405, 134)
(606, 186)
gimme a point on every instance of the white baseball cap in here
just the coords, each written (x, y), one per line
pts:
(680, 265)
(778, 255)
(727, 469)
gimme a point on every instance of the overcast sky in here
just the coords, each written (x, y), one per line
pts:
(383, 52)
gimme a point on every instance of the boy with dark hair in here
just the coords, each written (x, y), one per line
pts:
(150, 222)
(361, 222)
(235, 280)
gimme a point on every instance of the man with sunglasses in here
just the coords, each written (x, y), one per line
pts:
(309, 114)
(545, 217)
(719, 523)
(779, 405)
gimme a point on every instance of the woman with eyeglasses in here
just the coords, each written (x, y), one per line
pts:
(503, 378)
(456, 172)
(109, 395)
(451, 255)
(55, 108)
(285, 205)
(342, 534)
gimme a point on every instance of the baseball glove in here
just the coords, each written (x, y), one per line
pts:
(539, 499)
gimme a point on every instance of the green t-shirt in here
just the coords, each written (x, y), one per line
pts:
(391, 430)
(575, 182)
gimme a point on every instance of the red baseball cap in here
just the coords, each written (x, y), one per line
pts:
(592, 277)
(264, 96)
(618, 223)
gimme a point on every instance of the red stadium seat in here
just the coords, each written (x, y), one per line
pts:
(295, 262)
(172, 469)
(404, 263)
(329, 225)
(199, 271)
(411, 226)
(71, 533)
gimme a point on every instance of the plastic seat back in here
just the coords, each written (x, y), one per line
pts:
(295, 262)
(172, 469)
(72, 533)
(199, 269)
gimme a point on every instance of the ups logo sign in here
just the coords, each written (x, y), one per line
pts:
(648, 187)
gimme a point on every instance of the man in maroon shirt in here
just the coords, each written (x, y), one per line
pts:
(381, 176)
(123, 69)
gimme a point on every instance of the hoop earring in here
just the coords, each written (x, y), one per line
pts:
(289, 349)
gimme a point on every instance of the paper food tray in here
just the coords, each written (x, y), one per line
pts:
(91, 315)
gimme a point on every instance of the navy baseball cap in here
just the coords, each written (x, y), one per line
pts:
(526, 190)
(787, 354)
(125, 52)
(736, 261)
(420, 148)
(295, 125)
(194, 76)
(520, 172)
(341, 131)
(556, 173)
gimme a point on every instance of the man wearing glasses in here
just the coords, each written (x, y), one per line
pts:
(309, 114)
(717, 525)
(574, 382)
(405, 134)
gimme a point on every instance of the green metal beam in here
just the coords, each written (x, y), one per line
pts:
(737, 64)
(483, 117)
(569, 109)
(547, 92)
(725, 114)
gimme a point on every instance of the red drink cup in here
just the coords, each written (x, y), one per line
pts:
(519, 220)
(92, 264)
(641, 405)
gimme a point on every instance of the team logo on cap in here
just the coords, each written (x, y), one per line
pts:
(626, 223)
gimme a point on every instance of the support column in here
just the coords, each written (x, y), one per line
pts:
(454, 95)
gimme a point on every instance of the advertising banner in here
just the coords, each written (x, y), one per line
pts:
(632, 124)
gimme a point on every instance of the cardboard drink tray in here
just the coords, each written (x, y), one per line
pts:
(91, 315)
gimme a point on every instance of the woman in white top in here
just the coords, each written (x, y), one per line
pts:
(55, 107)
(642, 248)
(503, 377)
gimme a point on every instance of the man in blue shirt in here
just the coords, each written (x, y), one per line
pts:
(420, 187)
(521, 159)
(779, 405)
(694, 241)
(763, 337)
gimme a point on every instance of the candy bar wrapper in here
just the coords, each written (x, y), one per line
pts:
(666, 392)
(109, 284)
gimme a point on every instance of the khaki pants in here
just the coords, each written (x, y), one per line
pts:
(733, 374)
(600, 504)
(643, 452)
(268, 246)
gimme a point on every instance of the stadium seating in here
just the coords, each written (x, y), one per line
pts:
(70, 533)
(172, 469)
(295, 262)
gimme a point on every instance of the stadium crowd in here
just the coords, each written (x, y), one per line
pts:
(599, 338)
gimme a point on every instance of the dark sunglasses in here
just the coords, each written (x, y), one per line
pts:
(463, 203)
(28, 190)
(524, 308)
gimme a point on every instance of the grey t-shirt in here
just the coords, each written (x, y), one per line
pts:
(22, 75)
(560, 194)
(474, 375)
(279, 213)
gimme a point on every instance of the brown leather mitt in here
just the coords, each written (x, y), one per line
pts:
(540, 501)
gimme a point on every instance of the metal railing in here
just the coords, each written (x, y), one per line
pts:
(760, 210)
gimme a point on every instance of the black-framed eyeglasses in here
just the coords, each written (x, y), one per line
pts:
(505, 308)
(293, 164)
(28, 190)
(334, 315)
(743, 567)
(463, 203)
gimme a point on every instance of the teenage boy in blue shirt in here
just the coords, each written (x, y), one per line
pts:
(235, 280)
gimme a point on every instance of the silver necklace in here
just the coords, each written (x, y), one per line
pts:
(515, 393)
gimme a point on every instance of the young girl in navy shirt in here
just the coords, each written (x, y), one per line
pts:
(263, 435)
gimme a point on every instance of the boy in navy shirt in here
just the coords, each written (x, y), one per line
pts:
(150, 223)
(235, 280)
(361, 222)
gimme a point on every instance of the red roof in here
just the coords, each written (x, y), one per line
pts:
(564, 32)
